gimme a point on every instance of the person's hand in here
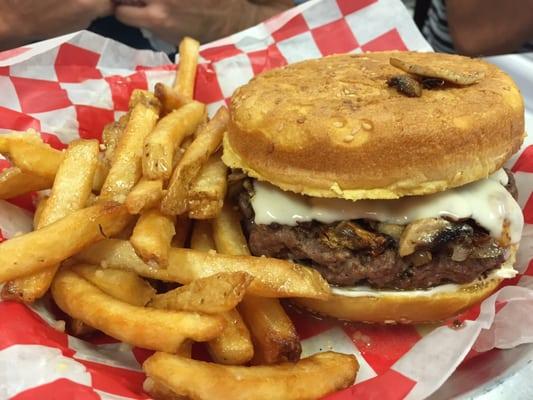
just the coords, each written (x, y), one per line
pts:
(489, 27)
(204, 20)
(23, 21)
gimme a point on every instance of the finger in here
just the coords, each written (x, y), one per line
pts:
(139, 17)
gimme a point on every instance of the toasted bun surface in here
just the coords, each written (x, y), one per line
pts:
(406, 307)
(333, 128)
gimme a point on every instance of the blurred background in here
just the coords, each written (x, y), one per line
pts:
(469, 27)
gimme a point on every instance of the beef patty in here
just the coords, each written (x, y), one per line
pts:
(366, 252)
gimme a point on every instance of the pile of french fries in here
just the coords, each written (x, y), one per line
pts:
(134, 238)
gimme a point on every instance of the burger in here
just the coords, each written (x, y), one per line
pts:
(383, 171)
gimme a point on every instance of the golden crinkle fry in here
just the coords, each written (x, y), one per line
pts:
(135, 239)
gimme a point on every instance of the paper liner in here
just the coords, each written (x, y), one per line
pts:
(70, 87)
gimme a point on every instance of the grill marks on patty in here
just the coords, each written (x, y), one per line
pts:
(348, 253)
(378, 266)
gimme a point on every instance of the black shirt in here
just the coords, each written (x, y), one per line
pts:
(112, 28)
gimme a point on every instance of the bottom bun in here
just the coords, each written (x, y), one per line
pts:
(408, 307)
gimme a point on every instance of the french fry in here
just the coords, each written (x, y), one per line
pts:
(27, 151)
(185, 349)
(211, 295)
(227, 233)
(207, 191)
(202, 236)
(73, 181)
(186, 74)
(72, 187)
(33, 159)
(100, 175)
(14, 182)
(139, 96)
(272, 277)
(145, 194)
(152, 236)
(39, 159)
(139, 326)
(206, 143)
(234, 345)
(161, 144)
(78, 328)
(274, 336)
(111, 135)
(180, 151)
(126, 167)
(158, 391)
(35, 251)
(91, 200)
(310, 378)
(122, 285)
(30, 137)
(127, 231)
(183, 227)
(119, 254)
(38, 211)
(170, 99)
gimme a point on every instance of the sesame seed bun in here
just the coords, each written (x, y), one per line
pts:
(332, 127)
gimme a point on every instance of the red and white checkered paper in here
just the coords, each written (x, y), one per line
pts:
(70, 87)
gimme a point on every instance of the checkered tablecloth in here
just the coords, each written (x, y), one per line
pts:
(70, 87)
